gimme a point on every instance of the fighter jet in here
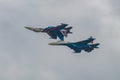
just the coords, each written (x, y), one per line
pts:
(59, 31)
(86, 45)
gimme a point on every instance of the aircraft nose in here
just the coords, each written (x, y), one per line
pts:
(28, 28)
(50, 44)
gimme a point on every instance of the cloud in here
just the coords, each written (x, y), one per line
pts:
(27, 55)
(114, 4)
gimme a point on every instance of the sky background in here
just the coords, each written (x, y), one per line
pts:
(25, 55)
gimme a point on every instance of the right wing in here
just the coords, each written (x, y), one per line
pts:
(74, 47)
(60, 35)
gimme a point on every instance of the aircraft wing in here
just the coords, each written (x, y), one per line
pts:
(62, 26)
(52, 35)
(60, 35)
(89, 40)
(83, 42)
(74, 47)
(55, 34)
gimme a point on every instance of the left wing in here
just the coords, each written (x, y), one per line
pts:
(82, 42)
(86, 41)
(52, 35)
(55, 34)
(62, 26)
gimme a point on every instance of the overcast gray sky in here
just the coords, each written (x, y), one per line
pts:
(25, 55)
